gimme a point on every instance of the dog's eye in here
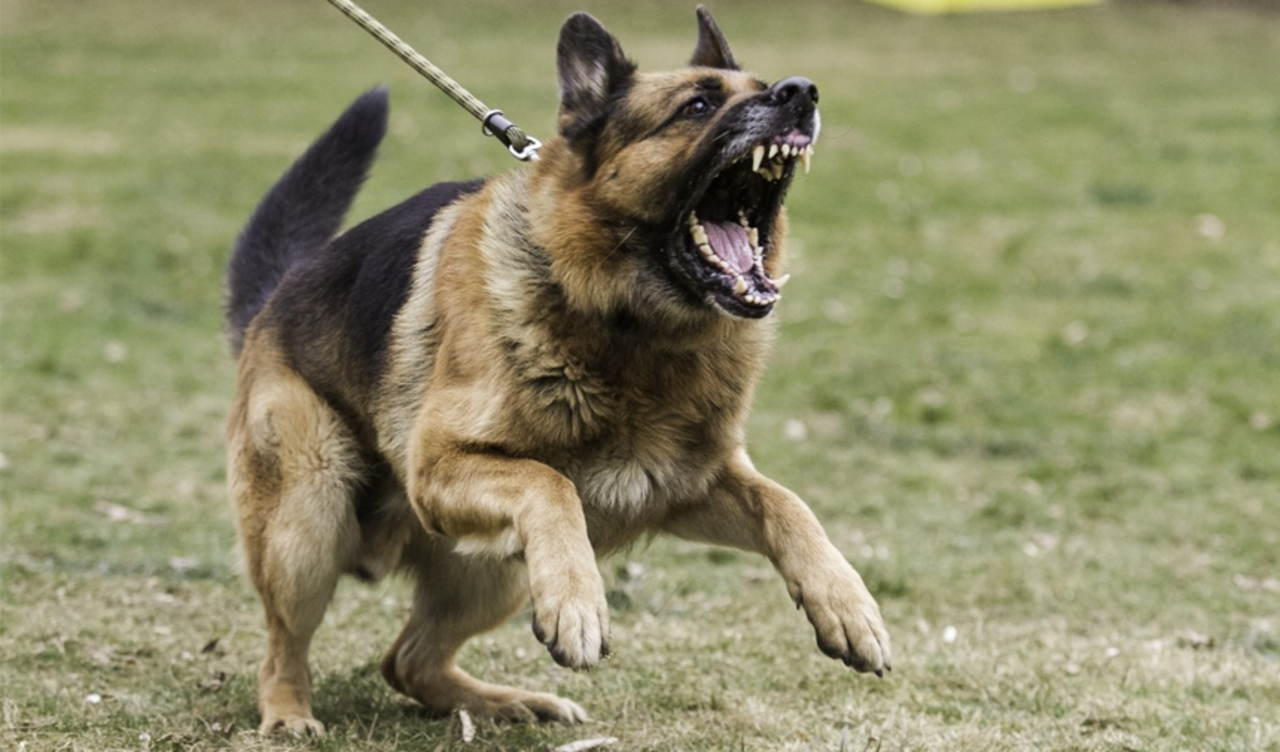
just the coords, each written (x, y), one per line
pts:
(697, 107)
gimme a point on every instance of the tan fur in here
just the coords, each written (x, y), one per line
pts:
(527, 434)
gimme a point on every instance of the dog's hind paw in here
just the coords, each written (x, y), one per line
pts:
(445, 690)
(538, 706)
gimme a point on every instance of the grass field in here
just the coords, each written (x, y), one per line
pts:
(1029, 377)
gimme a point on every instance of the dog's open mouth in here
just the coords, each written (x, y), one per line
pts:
(728, 228)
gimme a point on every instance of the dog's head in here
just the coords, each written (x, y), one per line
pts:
(685, 172)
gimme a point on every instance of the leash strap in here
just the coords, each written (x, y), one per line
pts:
(493, 123)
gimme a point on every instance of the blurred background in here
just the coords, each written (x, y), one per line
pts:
(1028, 375)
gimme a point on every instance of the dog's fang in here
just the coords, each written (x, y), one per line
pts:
(757, 156)
(739, 285)
(781, 282)
(805, 156)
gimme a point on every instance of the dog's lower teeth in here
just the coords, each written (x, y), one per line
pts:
(699, 235)
(739, 285)
(781, 282)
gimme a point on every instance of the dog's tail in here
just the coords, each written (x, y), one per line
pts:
(303, 211)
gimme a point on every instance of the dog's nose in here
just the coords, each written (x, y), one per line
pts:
(789, 88)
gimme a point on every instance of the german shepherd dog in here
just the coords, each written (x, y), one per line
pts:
(494, 382)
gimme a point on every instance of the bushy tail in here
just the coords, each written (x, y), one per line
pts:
(303, 211)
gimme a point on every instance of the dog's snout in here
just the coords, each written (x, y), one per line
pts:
(788, 89)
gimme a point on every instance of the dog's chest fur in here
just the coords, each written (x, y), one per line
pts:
(635, 415)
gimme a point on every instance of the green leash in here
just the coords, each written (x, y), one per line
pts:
(492, 122)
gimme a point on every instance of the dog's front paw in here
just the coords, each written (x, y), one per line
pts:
(573, 623)
(846, 619)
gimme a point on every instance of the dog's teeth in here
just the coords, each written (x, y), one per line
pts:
(757, 156)
(777, 170)
(805, 156)
(754, 236)
(773, 150)
(693, 219)
(781, 282)
(739, 285)
(699, 235)
(742, 220)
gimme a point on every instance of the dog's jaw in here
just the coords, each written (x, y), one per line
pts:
(731, 227)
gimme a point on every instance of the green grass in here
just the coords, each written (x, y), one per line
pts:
(1029, 377)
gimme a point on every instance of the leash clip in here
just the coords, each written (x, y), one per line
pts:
(529, 153)
(495, 124)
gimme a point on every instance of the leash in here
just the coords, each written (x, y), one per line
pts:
(492, 122)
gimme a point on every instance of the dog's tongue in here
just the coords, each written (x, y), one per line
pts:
(729, 241)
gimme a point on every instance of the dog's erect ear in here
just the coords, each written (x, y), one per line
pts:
(592, 67)
(712, 50)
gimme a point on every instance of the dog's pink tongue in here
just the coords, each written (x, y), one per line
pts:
(729, 241)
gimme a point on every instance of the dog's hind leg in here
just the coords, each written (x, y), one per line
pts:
(292, 466)
(458, 596)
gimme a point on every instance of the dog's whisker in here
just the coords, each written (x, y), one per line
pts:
(624, 240)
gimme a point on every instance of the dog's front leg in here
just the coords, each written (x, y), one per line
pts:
(496, 505)
(748, 511)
